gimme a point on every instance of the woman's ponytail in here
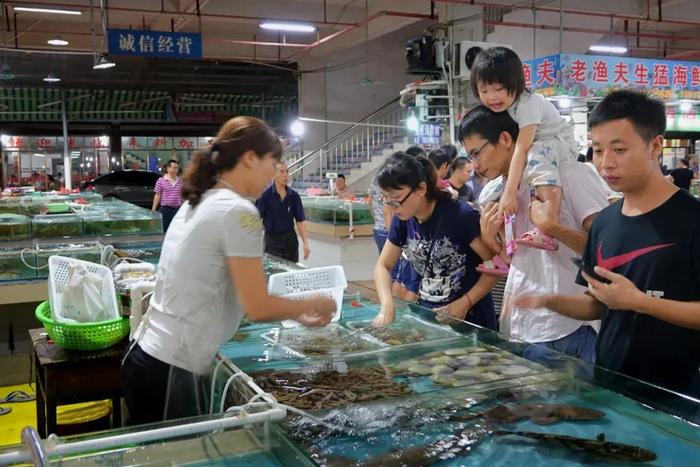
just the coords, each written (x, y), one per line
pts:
(238, 135)
(200, 175)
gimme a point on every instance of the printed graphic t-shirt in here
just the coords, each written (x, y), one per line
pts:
(448, 268)
(659, 252)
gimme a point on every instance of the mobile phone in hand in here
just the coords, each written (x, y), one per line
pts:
(589, 270)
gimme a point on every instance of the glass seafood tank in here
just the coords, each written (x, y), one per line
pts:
(130, 222)
(242, 437)
(430, 396)
(86, 251)
(17, 264)
(273, 265)
(57, 225)
(335, 211)
(9, 206)
(142, 251)
(15, 227)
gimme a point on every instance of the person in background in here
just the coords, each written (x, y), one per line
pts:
(342, 190)
(477, 182)
(441, 238)
(461, 173)
(381, 215)
(416, 151)
(682, 175)
(210, 275)
(647, 250)
(441, 159)
(280, 206)
(168, 197)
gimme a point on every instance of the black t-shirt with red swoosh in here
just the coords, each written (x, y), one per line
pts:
(659, 252)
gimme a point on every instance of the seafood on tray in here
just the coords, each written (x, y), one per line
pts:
(469, 365)
(328, 389)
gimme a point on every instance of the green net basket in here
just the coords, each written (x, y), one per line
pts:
(85, 336)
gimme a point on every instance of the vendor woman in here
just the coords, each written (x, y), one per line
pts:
(210, 275)
(442, 241)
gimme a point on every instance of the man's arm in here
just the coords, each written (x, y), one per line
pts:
(490, 223)
(542, 215)
(581, 307)
(156, 202)
(305, 241)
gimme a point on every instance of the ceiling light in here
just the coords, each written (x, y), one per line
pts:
(57, 41)
(686, 106)
(412, 123)
(564, 103)
(297, 128)
(51, 78)
(610, 49)
(103, 63)
(47, 10)
(290, 27)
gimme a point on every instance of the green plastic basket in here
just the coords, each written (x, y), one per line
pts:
(87, 336)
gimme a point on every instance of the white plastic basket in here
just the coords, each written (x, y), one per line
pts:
(327, 281)
(58, 275)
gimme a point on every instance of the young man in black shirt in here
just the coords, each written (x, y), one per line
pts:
(682, 175)
(647, 247)
(461, 174)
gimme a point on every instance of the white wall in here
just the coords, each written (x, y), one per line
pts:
(331, 89)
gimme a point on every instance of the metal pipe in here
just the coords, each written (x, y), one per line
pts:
(572, 11)
(256, 43)
(593, 31)
(534, 29)
(340, 122)
(155, 434)
(67, 169)
(92, 33)
(561, 26)
(159, 13)
(31, 439)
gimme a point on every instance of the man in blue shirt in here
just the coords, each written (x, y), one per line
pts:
(280, 206)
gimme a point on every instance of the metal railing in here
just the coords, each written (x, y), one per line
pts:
(292, 153)
(354, 144)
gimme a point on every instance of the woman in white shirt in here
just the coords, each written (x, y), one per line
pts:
(210, 275)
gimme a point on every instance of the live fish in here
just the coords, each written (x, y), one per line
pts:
(592, 447)
(542, 414)
(450, 447)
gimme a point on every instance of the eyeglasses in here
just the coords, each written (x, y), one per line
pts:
(475, 154)
(396, 204)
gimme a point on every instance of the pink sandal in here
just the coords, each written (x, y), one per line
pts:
(535, 238)
(494, 267)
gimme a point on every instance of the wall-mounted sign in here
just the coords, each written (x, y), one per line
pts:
(43, 142)
(595, 76)
(160, 142)
(154, 43)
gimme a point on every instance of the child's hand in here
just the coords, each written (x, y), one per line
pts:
(508, 204)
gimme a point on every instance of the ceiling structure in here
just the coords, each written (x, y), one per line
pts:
(240, 58)
(231, 28)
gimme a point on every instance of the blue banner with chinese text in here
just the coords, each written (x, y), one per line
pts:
(595, 75)
(154, 43)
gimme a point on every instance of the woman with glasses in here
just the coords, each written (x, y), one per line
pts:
(442, 241)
